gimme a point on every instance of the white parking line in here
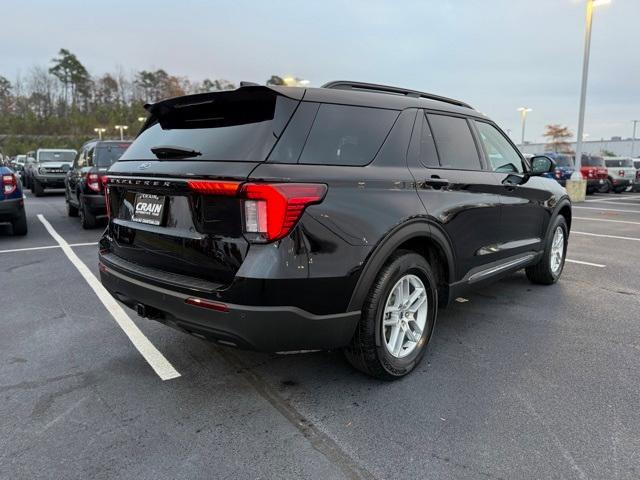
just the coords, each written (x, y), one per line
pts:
(28, 249)
(606, 220)
(616, 202)
(611, 197)
(580, 262)
(607, 209)
(151, 354)
(617, 237)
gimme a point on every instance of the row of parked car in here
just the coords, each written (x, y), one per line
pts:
(81, 173)
(603, 174)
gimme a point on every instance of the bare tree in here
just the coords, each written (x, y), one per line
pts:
(557, 136)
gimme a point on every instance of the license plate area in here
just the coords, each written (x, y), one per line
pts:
(149, 208)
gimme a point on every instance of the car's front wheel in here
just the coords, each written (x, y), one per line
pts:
(397, 318)
(548, 270)
(37, 189)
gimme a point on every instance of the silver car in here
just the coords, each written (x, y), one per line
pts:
(622, 174)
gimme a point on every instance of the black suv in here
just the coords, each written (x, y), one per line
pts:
(84, 183)
(282, 219)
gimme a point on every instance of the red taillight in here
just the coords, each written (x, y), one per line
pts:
(558, 173)
(271, 210)
(9, 183)
(621, 173)
(93, 181)
(214, 187)
(201, 302)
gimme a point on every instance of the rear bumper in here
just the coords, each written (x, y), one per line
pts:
(96, 204)
(595, 182)
(11, 209)
(269, 329)
(622, 182)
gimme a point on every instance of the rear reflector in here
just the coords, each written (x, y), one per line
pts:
(201, 302)
(213, 187)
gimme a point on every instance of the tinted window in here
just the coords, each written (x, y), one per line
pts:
(428, 152)
(637, 163)
(289, 147)
(455, 144)
(230, 127)
(346, 135)
(589, 161)
(107, 154)
(501, 155)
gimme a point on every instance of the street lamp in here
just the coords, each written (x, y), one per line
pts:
(577, 175)
(122, 128)
(99, 131)
(523, 115)
(633, 138)
(142, 119)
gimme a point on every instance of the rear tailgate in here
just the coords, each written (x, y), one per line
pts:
(181, 215)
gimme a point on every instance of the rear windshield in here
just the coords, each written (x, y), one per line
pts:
(593, 161)
(229, 126)
(53, 156)
(620, 163)
(109, 153)
(564, 161)
(636, 163)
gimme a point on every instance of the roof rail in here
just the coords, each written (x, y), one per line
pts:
(372, 87)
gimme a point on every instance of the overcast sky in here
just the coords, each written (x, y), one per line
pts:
(495, 54)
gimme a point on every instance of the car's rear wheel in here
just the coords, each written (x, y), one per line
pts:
(87, 219)
(548, 270)
(20, 224)
(397, 318)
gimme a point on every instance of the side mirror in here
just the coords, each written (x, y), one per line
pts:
(542, 164)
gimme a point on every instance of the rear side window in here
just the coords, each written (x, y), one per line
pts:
(454, 142)
(347, 135)
(227, 126)
(589, 161)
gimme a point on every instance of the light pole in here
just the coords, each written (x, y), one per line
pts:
(633, 138)
(142, 119)
(523, 115)
(122, 128)
(577, 175)
(99, 131)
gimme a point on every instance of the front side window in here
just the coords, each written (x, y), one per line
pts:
(347, 135)
(501, 155)
(454, 141)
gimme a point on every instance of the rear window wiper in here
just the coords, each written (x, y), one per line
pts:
(172, 151)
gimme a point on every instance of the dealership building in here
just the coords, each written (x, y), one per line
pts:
(620, 147)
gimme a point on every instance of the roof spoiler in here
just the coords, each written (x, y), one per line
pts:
(373, 87)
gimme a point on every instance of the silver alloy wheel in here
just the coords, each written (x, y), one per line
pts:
(557, 250)
(405, 316)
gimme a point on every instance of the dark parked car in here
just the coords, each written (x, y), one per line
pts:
(280, 218)
(84, 183)
(636, 164)
(12, 201)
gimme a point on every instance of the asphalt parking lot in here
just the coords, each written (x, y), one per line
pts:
(520, 381)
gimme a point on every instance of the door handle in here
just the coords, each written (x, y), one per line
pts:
(436, 182)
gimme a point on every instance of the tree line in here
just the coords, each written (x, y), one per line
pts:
(60, 104)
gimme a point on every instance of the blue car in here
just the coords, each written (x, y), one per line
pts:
(564, 167)
(12, 201)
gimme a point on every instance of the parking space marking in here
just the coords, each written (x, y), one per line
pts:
(580, 262)
(606, 220)
(611, 197)
(617, 237)
(607, 209)
(28, 249)
(151, 354)
(617, 202)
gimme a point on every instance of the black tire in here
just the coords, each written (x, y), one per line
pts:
(542, 273)
(619, 189)
(606, 187)
(368, 351)
(87, 219)
(37, 188)
(20, 225)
